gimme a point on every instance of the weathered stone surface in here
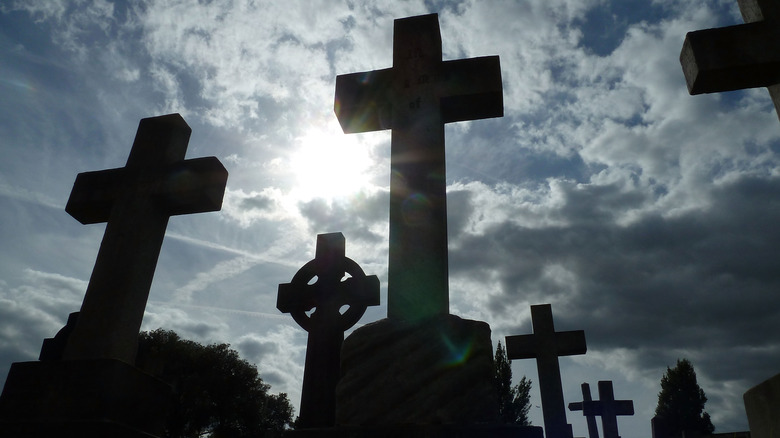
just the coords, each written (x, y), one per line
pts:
(84, 398)
(438, 371)
(762, 404)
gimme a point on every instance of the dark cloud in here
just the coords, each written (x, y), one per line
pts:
(357, 219)
(701, 282)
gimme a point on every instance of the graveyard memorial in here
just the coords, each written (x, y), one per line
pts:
(590, 418)
(546, 345)
(87, 381)
(414, 99)
(339, 282)
(736, 57)
(421, 371)
(605, 407)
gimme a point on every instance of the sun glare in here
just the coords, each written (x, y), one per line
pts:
(329, 165)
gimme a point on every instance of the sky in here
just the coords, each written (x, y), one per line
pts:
(645, 216)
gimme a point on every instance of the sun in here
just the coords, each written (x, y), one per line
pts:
(330, 165)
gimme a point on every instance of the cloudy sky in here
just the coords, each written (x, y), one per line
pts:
(645, 216)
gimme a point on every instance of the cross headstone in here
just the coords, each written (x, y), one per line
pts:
(606, 407)
(736, 57)
(326, 325)
(136, 202)
(593, 430)
(546, 345)
(415, 98)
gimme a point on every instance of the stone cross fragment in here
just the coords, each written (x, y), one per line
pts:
(326, 325)
(545, 344)
(414, 99)
(593, 430)
(736, 57)
(135, 201)
(606, 407)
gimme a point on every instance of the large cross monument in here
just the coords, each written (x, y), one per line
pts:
(420, 366)
(414, 99)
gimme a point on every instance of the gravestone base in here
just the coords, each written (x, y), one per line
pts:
(84, 398)
(762, 405)
(422, 431)
(438, 372)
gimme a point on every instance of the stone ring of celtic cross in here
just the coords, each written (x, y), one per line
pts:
(329, 298)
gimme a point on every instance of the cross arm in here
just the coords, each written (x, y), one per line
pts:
(185, 187)
(571, 343)
(596, 407)
(194, 186)
(475, 90)
(731, 58)
(575, 406)
(361, 103)
(93, 195)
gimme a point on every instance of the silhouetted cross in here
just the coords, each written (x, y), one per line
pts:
(415, 98)
(326, 325)
(736, 57)
(136, 202)
(545, 344)
(593, 430)
(606, 407)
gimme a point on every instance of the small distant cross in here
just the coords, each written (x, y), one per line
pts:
(415, 98)
(593, 430)
(546, 345)
(136, 202)
(326, 325)
(736, 57)
(606, 407)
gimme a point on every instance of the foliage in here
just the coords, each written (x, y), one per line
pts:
(513, 401)
(681, 401)
(216, 392)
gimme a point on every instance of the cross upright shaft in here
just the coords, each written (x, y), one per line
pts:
(415, 98)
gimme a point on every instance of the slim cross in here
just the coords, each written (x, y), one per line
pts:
(593, 430)
(326, 325)
(606, 407)
(136, 202)
(545, 344)
(415, 98)
(736, 57)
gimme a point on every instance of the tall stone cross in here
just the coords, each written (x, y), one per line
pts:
(546, 345)
(593, 430)
(415, 98)
(136, 202)
(606, 407)
(736, 57)
(326, 325)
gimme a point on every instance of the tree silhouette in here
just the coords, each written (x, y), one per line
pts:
(513, 401)
(216, 392)
(681, 402)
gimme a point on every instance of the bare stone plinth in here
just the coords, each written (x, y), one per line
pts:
(762, 403)
(436, 372)
(83, 398)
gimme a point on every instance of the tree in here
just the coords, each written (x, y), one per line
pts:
(513, 401)
(216, 392)
(681, 402)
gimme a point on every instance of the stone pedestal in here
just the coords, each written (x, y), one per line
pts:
(84, 398)
(762, 404)
(435, 372)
